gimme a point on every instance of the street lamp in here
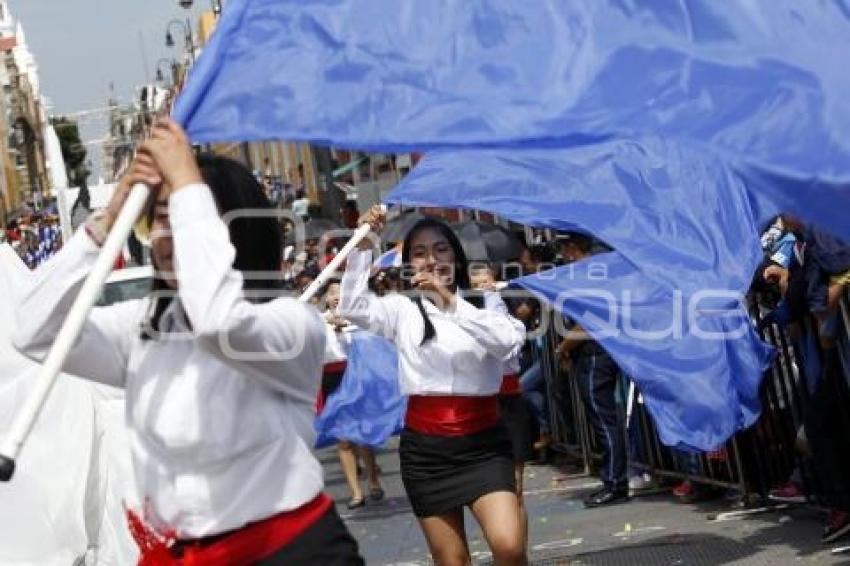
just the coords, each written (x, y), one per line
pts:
(160, 76)
(187, 34)
(216, 5)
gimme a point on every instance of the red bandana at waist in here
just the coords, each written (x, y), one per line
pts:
(510, 385)
(449, 415)
(247, 545)
(335, 367)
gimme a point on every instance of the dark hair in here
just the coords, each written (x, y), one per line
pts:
(461, 267)
(581, 241)
(326, 287)
(258, 241)
(541, 253)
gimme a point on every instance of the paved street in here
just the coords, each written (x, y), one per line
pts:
(652, 529)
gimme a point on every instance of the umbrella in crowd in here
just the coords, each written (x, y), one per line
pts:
(315, 228)
(397, 227)
(487, 242)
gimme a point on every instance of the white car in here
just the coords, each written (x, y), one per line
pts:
(126, 284)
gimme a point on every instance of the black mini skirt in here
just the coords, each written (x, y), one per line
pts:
(517, 420)
(443, 473)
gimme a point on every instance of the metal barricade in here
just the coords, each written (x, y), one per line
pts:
(753, 461)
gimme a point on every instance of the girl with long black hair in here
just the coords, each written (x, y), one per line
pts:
(220, 375)
(454, 450)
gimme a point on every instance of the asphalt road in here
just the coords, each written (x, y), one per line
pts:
(652, 529)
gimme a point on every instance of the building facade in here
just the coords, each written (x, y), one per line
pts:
(24, 179)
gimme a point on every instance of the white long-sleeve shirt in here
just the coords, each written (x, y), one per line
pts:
(337, 343)
(494, 302)
(218, 438)
(465, 357)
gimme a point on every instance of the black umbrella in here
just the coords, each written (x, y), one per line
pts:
(397, 227)
(315, 228)
(487, 242)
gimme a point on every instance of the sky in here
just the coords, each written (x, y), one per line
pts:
(83, 46)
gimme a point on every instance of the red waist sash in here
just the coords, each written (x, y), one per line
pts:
(510, 385)
(334, 367)
(247, 545)
(450, 415)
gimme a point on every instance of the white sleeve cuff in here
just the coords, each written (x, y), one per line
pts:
(191, 204)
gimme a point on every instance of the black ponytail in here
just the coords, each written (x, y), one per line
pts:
(430, 332)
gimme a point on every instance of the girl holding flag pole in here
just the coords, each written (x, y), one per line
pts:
(454, 450)
(220, 380)
(338, 345)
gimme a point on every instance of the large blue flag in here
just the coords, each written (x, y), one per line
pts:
(761, 79)
(763, 82)
(696, 360)
(742, 94)
(368, 407)
(667, 303)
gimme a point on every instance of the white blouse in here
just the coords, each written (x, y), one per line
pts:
(338, 343)
(494, 302)
(219, 411)
(465, 357)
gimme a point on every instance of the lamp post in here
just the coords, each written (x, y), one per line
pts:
(216, 5)
(186, 28)
(160, 76)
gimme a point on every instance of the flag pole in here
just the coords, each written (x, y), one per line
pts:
(11, 445)
(332, 267)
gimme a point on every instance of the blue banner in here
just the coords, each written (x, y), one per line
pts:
(667, 302)
(758, 81)
(368, 407)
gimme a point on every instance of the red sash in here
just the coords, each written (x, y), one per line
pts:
(329, 368)
(247, 545)
(450, 415)
(510, 385)
(335, 367)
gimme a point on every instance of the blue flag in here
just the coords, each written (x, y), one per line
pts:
(746, 96)
(389, 74)
(759, 81)
(368, 407)
(667, 303)
(696, 361)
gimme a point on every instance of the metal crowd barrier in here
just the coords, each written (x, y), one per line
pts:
(753, 461)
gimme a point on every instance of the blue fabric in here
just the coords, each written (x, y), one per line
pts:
(368, 407)
(388, 259)
(757, 81)
(699, 374)
(687, 242)
(686, 126)
(678, 213)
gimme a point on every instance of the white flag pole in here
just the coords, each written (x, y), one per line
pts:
(332, 267)
(22, 425)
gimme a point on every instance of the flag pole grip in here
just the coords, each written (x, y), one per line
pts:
(70, 331)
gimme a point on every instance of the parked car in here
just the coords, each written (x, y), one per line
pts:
(126, 284)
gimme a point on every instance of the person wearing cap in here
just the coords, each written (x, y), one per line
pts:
(597, 375)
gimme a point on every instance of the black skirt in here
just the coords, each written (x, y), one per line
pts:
(443, 473)
(517, 420)
(331, 382)
(326, 542)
